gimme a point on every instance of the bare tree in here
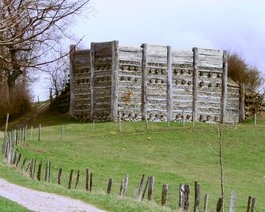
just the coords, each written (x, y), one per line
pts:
(31, 35)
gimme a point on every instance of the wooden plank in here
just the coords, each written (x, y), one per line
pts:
(195, 82)
(224, 87)
(92, 75)
(144, 83)
(114, 81)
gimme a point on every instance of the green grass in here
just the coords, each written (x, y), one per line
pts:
(9, 206)
(173, 155)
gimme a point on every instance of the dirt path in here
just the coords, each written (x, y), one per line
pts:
(42, 201)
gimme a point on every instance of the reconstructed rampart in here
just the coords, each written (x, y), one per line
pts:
(155, 83)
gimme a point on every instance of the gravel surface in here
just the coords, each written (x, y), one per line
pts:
(42, 201)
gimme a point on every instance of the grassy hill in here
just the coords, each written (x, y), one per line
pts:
(173, 154)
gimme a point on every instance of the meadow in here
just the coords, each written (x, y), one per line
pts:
(173, 154)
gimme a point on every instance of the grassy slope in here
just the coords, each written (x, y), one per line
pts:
(172, 155)
(9, 206)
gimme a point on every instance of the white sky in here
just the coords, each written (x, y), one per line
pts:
(233, 25)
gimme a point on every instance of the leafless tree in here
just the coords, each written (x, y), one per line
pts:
(31, 35)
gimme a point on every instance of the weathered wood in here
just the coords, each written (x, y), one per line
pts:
(48, 171)
(150, 187)
(59, 176)
(87, 179)
(92, 76)
(121, 187)
(39, 170)
(39, 133)
(18, 160)
(77, 178)
(6, 126)
(219, 205)
(144, 83)
(23, 163)
(249, 204)
(114, 81)
(164, 194)
(195, 85)
(140, 188)
(206, 200)
(252, 207)
(70, 179)
(224, 87)
(90, 181)
(232, 206)
(184, 191)
(197, 196)
(169, 84)
(109, 185)
(32, 168)
(125, 187)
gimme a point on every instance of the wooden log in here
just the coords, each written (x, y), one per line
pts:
(195, 85)
(197, 197)
(252, 207)
(109, 185)
(70, 179)
(90, 182)
(144, 83)
(39, 170)
(77, 179)
(232, 207)
(184, 192)
(150, 187)
(59, 176)
(169, 84)
(92, 76)
(32, 168)
(164, 194)
(145, 188)
(114, 81)
(224, 87)
(39, 133)
(18, 160)
(140, 188)
(87, 179)
(121, 187)
(23, 163)
(206, 200)
(48, 171)
(249, 204)
(219, 205)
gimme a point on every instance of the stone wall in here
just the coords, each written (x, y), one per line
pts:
(151, 82)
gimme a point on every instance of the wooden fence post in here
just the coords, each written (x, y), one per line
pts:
(90, 182)
(121, 187)
(232, 202)
(206, 199)
(70, 179)
(109, 185)
(32, 168)
(87, 179)
(77, 179)
(164, 194)
(59, 176)
(140, 188)
(48, 171)
(219, 205)
(39, 133)
(150, 187)
(253, 201)
(23, 163)
(39, 170)
(184, 192)
(197, 197)
(19, 158)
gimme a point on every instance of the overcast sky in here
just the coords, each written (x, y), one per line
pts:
(233, 25)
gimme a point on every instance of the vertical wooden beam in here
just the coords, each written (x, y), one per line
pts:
(242, 117)
(224, 87)
(195, 83)
(169, 84)
(144, 82)
(92, 74)
(114, 81)
(72, 76)
(197, 196)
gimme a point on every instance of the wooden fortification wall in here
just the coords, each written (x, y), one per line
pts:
(151, 82)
